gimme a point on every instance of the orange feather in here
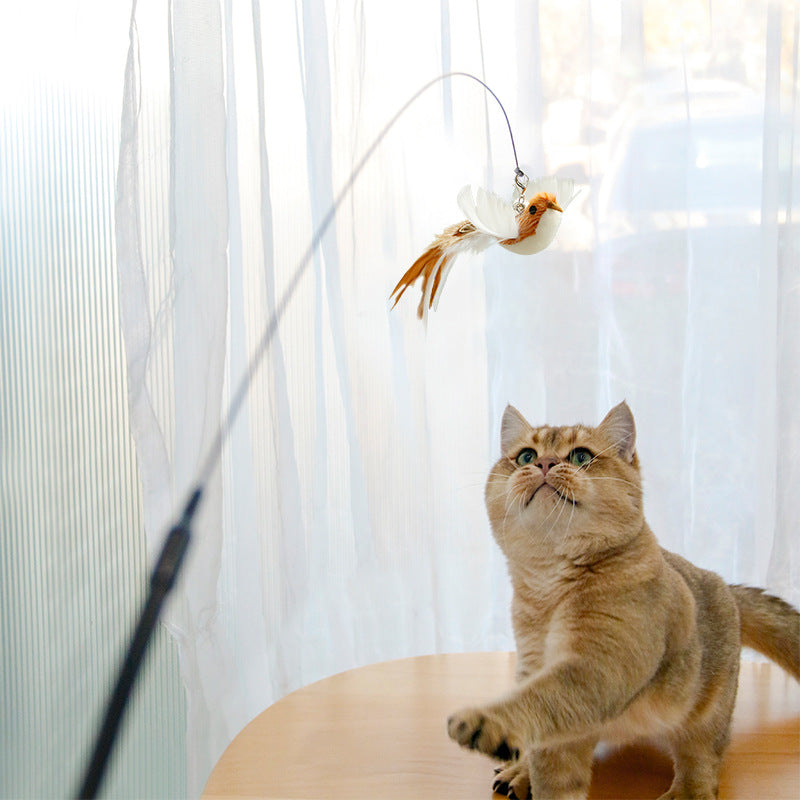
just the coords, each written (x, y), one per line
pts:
(426, 266)
(431, 264)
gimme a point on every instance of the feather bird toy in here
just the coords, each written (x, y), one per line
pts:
(526, 226)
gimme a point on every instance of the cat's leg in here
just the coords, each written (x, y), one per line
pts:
(567, 703)
(562, 772)
(554, 773)
(698, 749)
(696, 774)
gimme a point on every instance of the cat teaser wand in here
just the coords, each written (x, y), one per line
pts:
(177, 541)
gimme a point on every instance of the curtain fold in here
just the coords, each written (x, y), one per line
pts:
(345, 522)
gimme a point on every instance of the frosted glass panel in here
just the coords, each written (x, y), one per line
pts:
(72, 553)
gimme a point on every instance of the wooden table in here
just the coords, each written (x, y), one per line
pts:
(379, 732)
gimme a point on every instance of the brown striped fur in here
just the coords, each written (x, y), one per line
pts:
(617, 639)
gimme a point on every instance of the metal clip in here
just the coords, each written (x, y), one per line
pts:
(520, 185)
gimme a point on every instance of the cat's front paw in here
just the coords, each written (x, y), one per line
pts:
(513, 780)
(481, 729)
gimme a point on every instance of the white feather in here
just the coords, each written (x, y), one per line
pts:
(563, 189)
(475, 242)
(488, 212)
(545, 233)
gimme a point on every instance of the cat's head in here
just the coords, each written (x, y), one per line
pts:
(571, 492)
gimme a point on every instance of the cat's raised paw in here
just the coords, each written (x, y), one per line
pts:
(478, 729)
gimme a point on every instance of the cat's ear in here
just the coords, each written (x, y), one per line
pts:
(620, 428)
(513, 427)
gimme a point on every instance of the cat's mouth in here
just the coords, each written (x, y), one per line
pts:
(549, 489)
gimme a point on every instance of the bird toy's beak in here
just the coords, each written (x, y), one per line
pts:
(555, 206)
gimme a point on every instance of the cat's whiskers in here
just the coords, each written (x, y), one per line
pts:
(572, 510)
(481, 481)
(518, 495)
(560, 505)
(521, 503)
(512, 495)
(612, 478)
(605, 450)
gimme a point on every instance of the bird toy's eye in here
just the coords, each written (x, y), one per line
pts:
(533, 209)
(580, 457)
(526, 456)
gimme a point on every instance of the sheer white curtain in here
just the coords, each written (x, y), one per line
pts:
(345, 523)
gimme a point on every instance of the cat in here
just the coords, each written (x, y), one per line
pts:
(617, 639)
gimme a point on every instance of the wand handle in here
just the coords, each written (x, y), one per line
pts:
(162, 580)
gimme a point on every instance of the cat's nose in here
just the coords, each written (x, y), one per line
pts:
(545, 464)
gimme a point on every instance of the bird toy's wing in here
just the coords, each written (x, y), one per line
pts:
(488, 212)
(433, 266)
(563, 189)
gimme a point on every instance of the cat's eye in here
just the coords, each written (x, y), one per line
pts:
(580, 457)
(526, 456)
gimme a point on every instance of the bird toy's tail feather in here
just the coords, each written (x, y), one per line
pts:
(435, 263)
(430, 265)
(439, 274)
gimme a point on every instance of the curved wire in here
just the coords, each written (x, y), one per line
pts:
(178, 538)
(240, 394)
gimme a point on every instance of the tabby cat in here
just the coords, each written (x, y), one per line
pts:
(617, 639)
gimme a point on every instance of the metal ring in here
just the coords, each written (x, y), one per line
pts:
(521, 184)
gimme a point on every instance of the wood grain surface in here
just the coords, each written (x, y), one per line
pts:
(379, 732)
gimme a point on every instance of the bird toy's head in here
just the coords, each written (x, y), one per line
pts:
(539, 217)
(541, 202)
(535, 218)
